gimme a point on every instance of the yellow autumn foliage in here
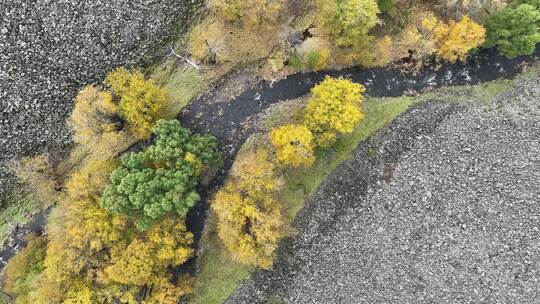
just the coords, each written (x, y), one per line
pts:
(250, 13)
(167, 243)
(83, 228)
(293, 144)
(80, 293)
(455, 39)
(346, 22)
(250, 220)
(46, 292)
(90, 180)
(384, 51)
(171, 241)
(141, 101)
(92, 115)
(164, 292)
(130, 265)
(333, 109)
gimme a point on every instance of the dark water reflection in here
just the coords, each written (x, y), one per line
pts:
(230, 121)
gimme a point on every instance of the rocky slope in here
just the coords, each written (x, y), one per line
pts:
(442, 207)
(49, 49)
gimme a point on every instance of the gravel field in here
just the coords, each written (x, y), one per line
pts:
(443, 207)
(49, 49)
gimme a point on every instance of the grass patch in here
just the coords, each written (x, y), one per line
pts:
(182, 84)
(15, 208)
(469, 93)
(218, 274)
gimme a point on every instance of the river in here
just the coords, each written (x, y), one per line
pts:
(231, 123)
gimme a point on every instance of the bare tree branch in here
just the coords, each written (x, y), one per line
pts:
(185, 58)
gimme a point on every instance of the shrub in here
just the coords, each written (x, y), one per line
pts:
(167, 243)
(333, 108)
(250, 222)
(164, 292)
(82, 228)
(293, 144)
(141, 102)
(89, 181)
(413, 39)
(295, 62)
(38, 174)
(347, 22)
(22, 270)
(93, 115)
(384, 52)
(514, 30)
(477, 10)
(386, 6)
(317, 60)
(456, 39)
(162, 178)
(274, 63)
(251, 14)
(207, 43)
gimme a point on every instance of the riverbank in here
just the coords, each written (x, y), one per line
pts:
(441, 203)
(218, 273)
(229, 115)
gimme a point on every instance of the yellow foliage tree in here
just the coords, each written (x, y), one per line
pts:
(333, 108)
(252, 13)
(93, 115)
(167, 243)
(293, 144)
(130, 265)
(164, 292)
(347, 22)
(83, 227)
(118, 293)
(80, 293)
(90, 180)
(171, 241)
(141, 101)
(46, 292)
(250, 222)
(455, 39)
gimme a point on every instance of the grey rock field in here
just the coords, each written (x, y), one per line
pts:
(49, 49)
(441, 207)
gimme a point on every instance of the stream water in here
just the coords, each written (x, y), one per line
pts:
(231, 121)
